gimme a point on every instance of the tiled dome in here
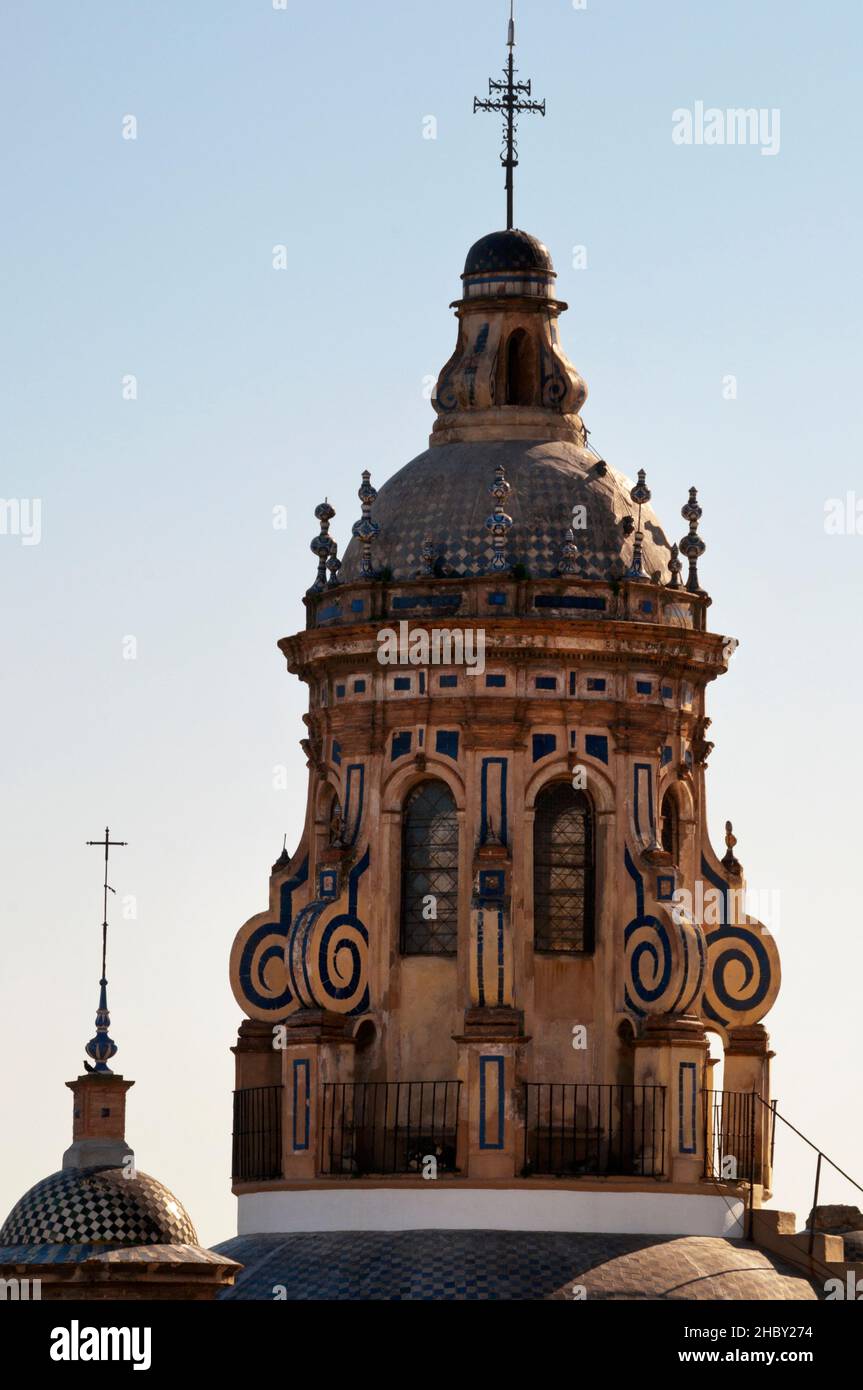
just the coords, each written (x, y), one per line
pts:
(444, 494)
(98, 1206)
(504, 1265)
(512, 250)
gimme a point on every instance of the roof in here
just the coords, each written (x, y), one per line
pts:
(101, 1206)
(444, 494)
(512, 250)
(505, 1265)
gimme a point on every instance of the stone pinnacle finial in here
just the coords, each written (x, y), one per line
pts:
(692, 546)
(674, 566)
(499, 523)
(102, 1047)
(365, 529)
(334, 564)
(428, 557)
(322, 545)
(640, 495)
(729, 862)
(569, 556)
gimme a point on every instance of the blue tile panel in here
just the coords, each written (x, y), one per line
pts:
(643, 687)
(596, 683)
(402, 683)
(495, 681)
(546, 683)
(491, 1102)
(543, 745)
(359, 687)
(401, 745)
(596, 746)
(446, 742)
(448, 682)
(427, 601)
(569, 601)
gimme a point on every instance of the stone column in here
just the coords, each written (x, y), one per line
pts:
(491, 1129)
(747, 1071)
(671, 1053)
(317, 1051)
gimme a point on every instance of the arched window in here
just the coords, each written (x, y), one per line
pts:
(519, 370)
(669, 830)
(430, 872)
(563, 871)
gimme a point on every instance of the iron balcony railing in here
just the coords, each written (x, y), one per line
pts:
(732, 1145)
(389, 1127)
(257, 1138)
(575, 1129)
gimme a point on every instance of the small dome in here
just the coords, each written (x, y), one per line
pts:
(98, 1206)
(512, 250)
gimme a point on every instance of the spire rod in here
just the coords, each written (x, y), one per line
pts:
(102, 1048)
(509, 98)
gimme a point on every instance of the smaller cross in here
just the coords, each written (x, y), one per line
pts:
(107, 844)
(102, 1048)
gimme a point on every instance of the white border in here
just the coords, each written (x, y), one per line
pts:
(478, 1209)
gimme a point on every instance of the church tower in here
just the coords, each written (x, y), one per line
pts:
(481, 992)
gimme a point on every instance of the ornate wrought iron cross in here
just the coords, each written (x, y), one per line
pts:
(509, 98)
(102, 1048)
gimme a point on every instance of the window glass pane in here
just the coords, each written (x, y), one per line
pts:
(430, 870)
(563, 871)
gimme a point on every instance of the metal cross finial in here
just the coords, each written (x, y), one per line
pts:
(102, 1048)
(509, 98)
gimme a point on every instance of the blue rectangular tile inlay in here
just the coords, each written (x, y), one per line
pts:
(301, 1103)
(569, 601)
(446, 742)
(596, 746)
(643, 687)
(448, 682)
(495, 680)
(491, 1108)
(543, 745)
(546, 683)
(402, 683)
(401, 745)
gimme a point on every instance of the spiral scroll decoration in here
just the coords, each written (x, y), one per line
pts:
(742, 975)
(327, 958)
(665, 960)
(258, 975)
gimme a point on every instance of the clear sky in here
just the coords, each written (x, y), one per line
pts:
(258, 387)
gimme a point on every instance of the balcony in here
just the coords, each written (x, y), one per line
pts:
(257, 1139)
(380, 1127)
(581, 1130)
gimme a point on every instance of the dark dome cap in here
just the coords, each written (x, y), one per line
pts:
(512, 250)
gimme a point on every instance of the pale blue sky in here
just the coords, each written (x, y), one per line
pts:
(259, 387)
